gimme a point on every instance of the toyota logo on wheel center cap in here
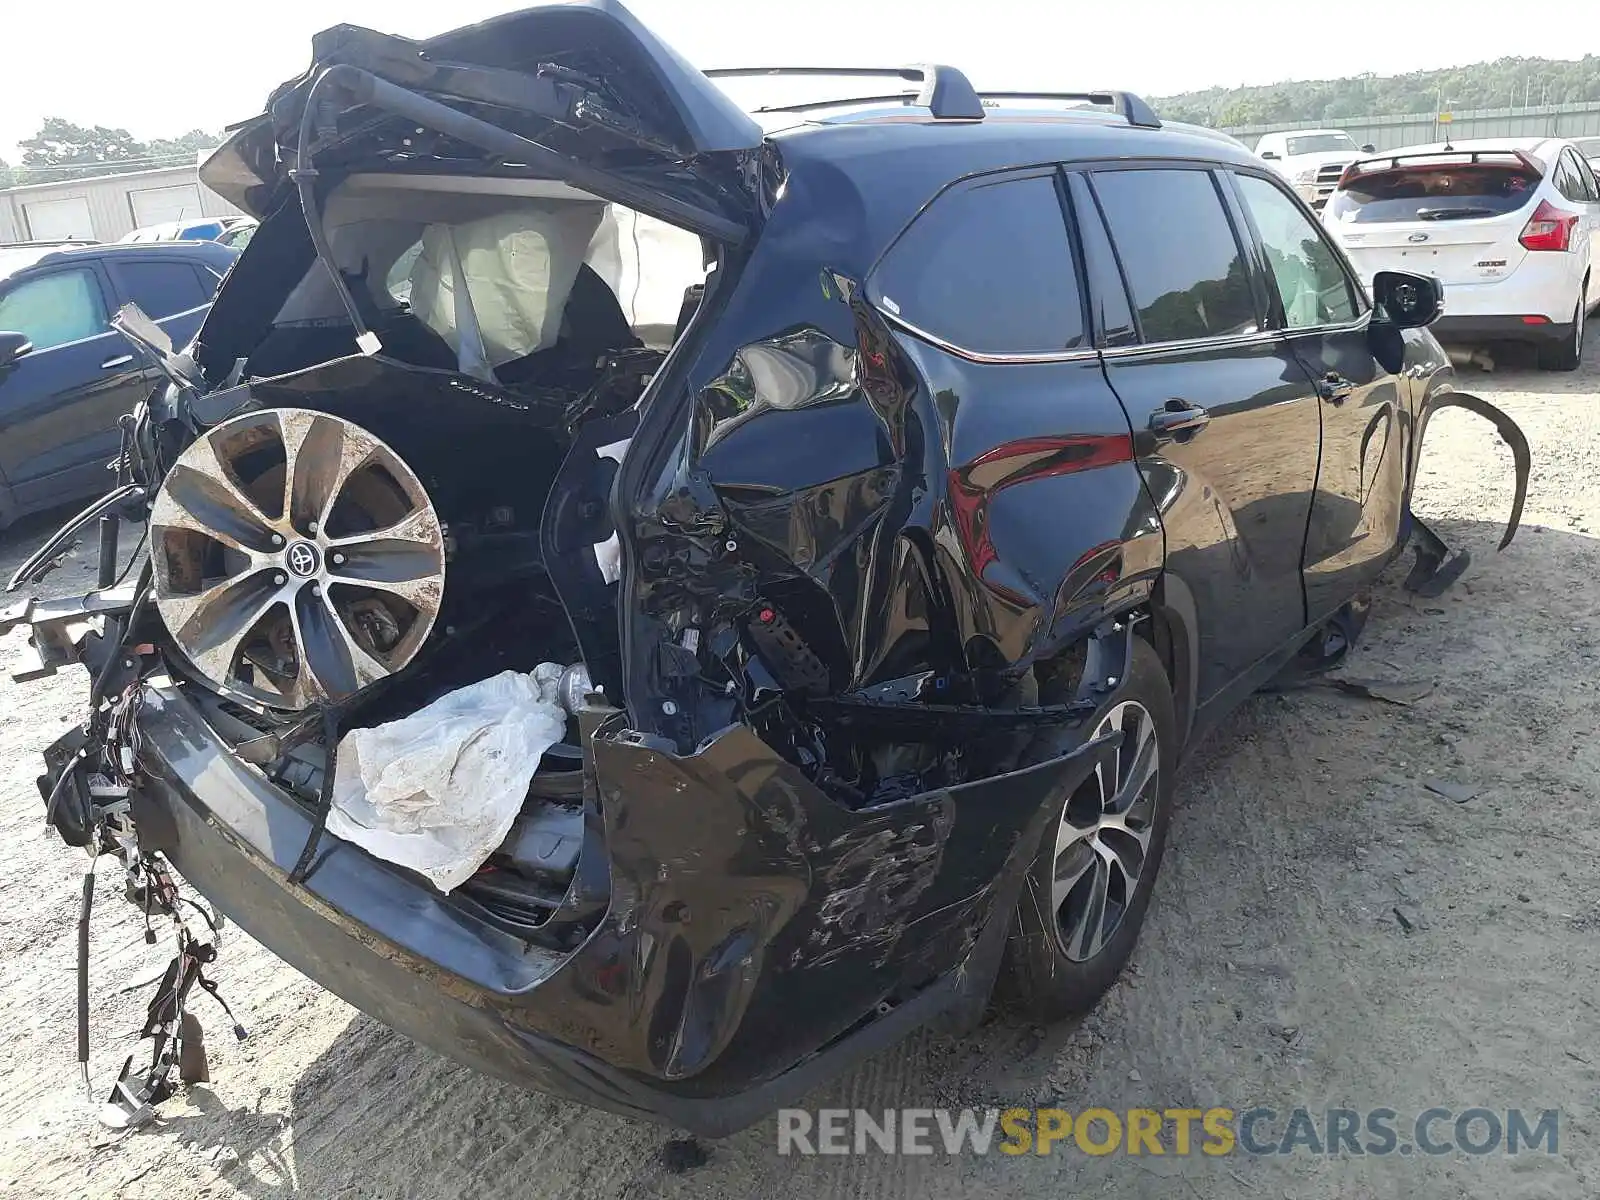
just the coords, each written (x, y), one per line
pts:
(303, 559)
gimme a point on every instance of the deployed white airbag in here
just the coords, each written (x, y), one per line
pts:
(519, 266)
(438, 791)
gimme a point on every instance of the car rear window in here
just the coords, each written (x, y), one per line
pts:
(1434, 191)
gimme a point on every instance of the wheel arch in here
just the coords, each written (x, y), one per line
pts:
(1173, 631)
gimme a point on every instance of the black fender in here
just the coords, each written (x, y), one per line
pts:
(1510, 433)
(1175, 629)
(1437, 566)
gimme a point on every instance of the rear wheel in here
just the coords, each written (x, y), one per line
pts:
(1086, 895)
(1566, 354)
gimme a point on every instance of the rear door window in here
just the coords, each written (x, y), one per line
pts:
(1305, 270)
(160, 288)
(1182, 260)
(54, 309)
(1435, 190)
(988, 269)
(1108, 296)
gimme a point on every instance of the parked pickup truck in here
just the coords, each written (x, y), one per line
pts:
(1311, 159)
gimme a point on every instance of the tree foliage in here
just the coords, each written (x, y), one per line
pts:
(64, 150)
(1504, 83)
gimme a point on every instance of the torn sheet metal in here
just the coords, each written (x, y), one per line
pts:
(1437, 565)
(1513, 437)
(439, 790)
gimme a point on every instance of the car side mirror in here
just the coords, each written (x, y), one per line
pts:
(1408, 301)
(1269, 154)
(12, 347)
(1369, 148)
(1401, 301)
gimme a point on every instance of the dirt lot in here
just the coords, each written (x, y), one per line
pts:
(1273, 969)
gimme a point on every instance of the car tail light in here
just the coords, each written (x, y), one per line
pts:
(1548, 229)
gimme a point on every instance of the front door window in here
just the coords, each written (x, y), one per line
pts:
(1305, 271)
(65, 306)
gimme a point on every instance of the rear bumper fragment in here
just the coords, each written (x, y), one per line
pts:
(760, 937)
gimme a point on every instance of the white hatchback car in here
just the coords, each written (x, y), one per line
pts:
(1510, 227)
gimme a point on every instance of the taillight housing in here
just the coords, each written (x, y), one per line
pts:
(1548, 229)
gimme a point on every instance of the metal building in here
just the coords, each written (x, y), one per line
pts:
(107, 206)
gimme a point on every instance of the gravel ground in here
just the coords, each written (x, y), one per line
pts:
(1273, 969)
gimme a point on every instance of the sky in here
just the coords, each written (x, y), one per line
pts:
(163, 67)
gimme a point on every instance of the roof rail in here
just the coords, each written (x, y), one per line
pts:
(945, 91)
(1132, 108)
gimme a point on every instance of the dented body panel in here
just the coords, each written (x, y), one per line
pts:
(851, 598)
(751, 919)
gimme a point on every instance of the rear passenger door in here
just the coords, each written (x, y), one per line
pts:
(171, 288)
(1225, 421)
(1025, 445)
(1354, 527)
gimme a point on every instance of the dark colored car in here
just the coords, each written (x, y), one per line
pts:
(989, 452)
(233, 232)
(65, 375)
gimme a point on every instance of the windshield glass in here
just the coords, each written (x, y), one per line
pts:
(1435, 192)
(1320, 143)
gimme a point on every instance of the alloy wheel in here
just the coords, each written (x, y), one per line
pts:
(1103, 839)
(297, 559)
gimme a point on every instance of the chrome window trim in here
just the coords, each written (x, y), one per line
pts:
(978, 356)
(1361, 321)
(1206, 343)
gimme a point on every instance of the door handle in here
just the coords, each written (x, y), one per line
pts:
(120, 360)
(1178, 421)
(1334, 388)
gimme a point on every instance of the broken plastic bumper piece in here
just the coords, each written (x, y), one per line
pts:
(733, 890)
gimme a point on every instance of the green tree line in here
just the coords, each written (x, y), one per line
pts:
(64, 150)
(1504, 83)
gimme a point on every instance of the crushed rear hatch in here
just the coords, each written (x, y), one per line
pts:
(582, 85)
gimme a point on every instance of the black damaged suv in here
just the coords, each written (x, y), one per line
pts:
(904, 483)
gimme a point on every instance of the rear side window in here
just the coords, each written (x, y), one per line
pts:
(988, 269)
(1434, 191)
(1106, 292)
(160, 288)
(1179, 253)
